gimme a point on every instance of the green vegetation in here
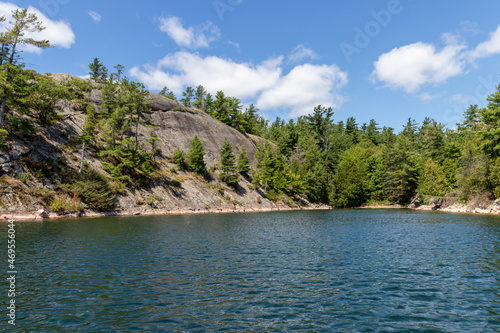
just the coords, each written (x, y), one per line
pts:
(227, 164)
(195, 156)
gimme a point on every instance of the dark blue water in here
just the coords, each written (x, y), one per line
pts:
(324, 271)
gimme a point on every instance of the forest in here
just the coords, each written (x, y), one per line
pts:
(343, 164)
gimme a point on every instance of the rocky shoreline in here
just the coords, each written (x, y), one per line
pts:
(42, 214)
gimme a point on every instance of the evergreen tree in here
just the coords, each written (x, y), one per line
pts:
(200, 96)
(98, 72)
(473, 173)
(403, 166)
(14, 36)
(433, 180)
(208, 103)
(167, 93)
(188, 96)
(373, 132)
(195, 157)
(220, 108)
(351, 177)
(243, 164)
(43, 96)
(490, 131)
(179, 158)
(227, 164)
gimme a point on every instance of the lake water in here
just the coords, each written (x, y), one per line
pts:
(303, 271)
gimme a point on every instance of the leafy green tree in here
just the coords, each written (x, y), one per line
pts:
(351, 177)
(98, 72)
(472, 177)
(195, 157)
(376, 176)
(273, 174)
(243, 163)
(433, 180)
(228, 164)
(14, 36)
(450, 170)
(494, 177)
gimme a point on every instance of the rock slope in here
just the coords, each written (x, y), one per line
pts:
(170, 189)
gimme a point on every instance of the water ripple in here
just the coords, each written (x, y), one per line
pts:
(333, 271)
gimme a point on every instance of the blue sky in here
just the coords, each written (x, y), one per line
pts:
(387, 60)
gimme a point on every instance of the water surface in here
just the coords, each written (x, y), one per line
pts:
(304, 271)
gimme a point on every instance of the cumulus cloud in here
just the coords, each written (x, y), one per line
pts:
(489, 47)
(299, 91)
(305, 87)
(411, 66)
(301, 53)
(192, 38)
(59, 33)
(96, 17)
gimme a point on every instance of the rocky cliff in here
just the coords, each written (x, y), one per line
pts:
(23, 188)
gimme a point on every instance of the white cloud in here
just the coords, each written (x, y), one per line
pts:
(303, 88)
(301, 53)
(96, 17)
(183, 68)
(192, 38)
(411, 66)
(489, 47)
(58, 33)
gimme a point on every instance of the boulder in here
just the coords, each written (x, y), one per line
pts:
(95, 97)
(42, 214)
(162, 103)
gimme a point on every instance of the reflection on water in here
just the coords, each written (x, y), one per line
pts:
(341, 271)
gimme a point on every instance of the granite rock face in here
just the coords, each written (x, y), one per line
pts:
(174, 124)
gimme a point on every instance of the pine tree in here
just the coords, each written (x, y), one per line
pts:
(195, 157)
(243, 164)
(200, 95)
(188, 96)
(179, 158)
(98, 72)
(14, 36)
(490, 132)
(227, 164)
(167, 93)
(403, 167)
